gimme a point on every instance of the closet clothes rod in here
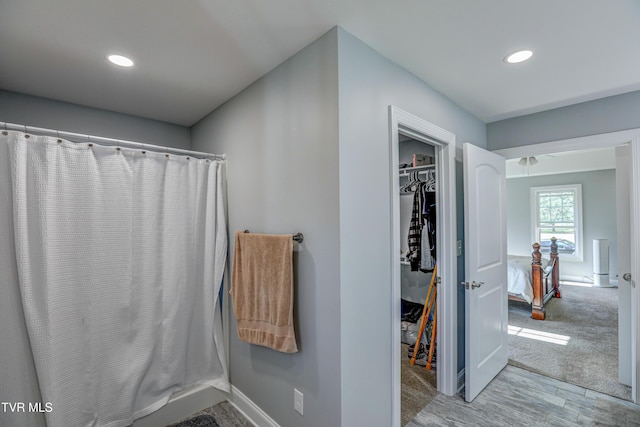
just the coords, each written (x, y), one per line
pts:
(417, 168)
(79, 138)
(298, 237)
(420, 172)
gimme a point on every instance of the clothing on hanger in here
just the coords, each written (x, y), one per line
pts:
(415, 231)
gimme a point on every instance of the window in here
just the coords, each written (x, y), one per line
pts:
(557, 212)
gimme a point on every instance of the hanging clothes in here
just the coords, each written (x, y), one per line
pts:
(428, 243)
(415, 230)
(422, 226)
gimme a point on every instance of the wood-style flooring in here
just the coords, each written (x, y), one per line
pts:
(418, 386)
(517, 397)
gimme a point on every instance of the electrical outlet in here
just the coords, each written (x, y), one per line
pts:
(298, 401)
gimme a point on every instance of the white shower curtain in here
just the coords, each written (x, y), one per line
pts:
(117, 265)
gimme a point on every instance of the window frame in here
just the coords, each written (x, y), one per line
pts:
(578, 255)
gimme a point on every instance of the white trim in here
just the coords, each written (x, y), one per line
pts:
(445, 144)
(572, 144)
(586, 280)
(612, 139)
(635, 267)
(250, 410)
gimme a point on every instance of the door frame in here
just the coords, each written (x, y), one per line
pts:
(611, 139)
(445, 146)
(623, 216)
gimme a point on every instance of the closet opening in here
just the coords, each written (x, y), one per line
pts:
(423, 138)
(418, 194)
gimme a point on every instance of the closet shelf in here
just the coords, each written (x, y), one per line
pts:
(406, 171)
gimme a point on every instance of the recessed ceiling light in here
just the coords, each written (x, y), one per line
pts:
(120, 60)
(519, 56)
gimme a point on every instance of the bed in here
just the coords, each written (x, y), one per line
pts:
(535, 280)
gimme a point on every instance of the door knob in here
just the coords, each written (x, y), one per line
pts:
(627, 277)
(473, 285)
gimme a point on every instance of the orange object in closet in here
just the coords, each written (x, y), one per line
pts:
(429, 304)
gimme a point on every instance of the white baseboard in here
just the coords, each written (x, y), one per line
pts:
(587, 280)
(250, 410)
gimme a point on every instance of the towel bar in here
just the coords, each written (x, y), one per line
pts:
(298, 237)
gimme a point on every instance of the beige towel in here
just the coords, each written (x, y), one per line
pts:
(262, 290)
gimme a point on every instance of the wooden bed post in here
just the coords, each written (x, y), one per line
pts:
(537, 305)
(555, 274)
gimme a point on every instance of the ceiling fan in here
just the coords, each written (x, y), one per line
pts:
(528, 162)
(524, 161)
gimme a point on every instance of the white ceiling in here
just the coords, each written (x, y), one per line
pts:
(192, 56)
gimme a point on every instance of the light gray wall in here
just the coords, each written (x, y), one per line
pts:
(47, 113)
(281, 140)
(368, 84)
(599, 216)
(603, 115)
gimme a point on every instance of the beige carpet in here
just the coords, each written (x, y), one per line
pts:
(418, 386)
(576, 343)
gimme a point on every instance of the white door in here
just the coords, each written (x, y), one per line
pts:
(623, 221)
(486, 314)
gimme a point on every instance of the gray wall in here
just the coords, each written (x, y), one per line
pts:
(368, 84)
(603, 115)
(46, 113)
(598, 210)
(281, 140)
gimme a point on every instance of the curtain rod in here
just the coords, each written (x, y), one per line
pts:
(78, 137)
